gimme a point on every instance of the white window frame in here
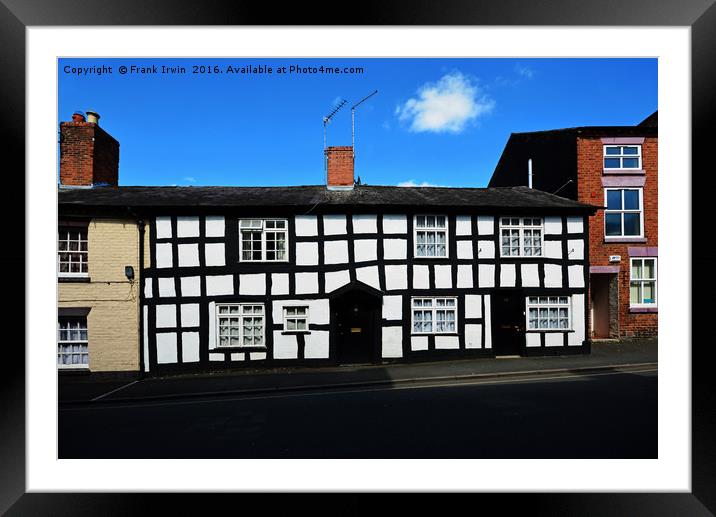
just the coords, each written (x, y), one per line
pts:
(433, 310)
(263, 231)
(621, 157)
(426, 229)
(72, 342)
(549, 304)
(287, 317)
(521, 227)
(623, 211)
(76, 274)
(644, 280)
(240, 315)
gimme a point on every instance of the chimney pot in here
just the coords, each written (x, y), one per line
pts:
(78, 116)
(92, 116)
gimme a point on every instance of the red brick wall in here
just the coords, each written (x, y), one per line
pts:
(590, 190)
(340, 166)
(88, 155)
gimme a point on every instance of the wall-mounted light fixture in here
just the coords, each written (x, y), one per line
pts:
(129, 272)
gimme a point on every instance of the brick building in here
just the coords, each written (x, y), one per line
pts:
(615, 167)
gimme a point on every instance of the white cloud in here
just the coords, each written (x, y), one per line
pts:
(190, 179)
(524, 71)
(446, 106)
(411, 183)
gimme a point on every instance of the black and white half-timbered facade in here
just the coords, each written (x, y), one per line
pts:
(276, 276)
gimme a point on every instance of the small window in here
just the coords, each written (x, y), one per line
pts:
(548, 313)
(72, 344)
(521, 236)
(72, 251)
(295, 319)
(434, 315)
(642, 287)
(622, 157)
(623, 214)
(240, 324)
(430, 236)
(263, 240)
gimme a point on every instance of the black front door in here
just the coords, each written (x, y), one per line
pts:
(355, 319)
(508, 322)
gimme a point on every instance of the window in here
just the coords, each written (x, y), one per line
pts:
(434, 315)
(240, 324)
(642, 287)
(548, 312)
(295, 319)
(72, 251)
(430, 236)
(622, 157)
(263, 240)
(521, 236)
(623, 217)
(72, 349)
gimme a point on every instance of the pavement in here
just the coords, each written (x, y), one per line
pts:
(97, 389)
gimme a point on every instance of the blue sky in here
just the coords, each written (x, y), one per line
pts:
(433, 121)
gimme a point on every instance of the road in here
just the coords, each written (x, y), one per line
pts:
(605, 415)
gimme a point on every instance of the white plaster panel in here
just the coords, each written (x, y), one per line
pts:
(219, 284)
(533, 339)
(279, 283)
(316, 345)
(148, 287)
(257, 356)
(575, 248)
(145, 320)
(553, 249)
(190, 347)
(237, 356)
(335, 252)
(392, 307)
(485, 225)
(368, 275)
(166, 316)
(508, 275)
(306, 225)
(576, 276)
(318, 310)
(464, 276)
(212, 325)
(418, 343)
(164, 254)
(464, 249)
(334, 225)
(395, 223)
(447, 342)
(365, 250)
(306, 253)
(189, 313)
(463, 225)
(167, 287)
(285, 346)
(190, 286)
(443, 276)
(575, 224)
(306, 283)
(392, 342)
(363, 223)
(421, 277)
(553, 225)
(396, 277)
(215, 225)
(395, 249)
(216, 357)
(473, 335)
(473, 306)
(187, 226)
(488, 322)
(214, 254)
(486, 275)
(188, 255)
(552, 275)
(553, 339)
(336, 279)
(485, 249)
(164, 227)
(166, 347)
(530, 275)
(578, 324)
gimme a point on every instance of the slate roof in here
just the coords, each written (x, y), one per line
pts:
(314, 196)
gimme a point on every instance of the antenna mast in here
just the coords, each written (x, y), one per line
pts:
(326, 120)
(353, 124)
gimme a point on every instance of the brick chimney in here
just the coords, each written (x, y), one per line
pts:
(89, 156)
(339, 164)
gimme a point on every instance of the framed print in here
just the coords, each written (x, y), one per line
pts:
(214, 280)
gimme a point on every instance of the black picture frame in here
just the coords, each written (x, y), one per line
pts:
(17, 15)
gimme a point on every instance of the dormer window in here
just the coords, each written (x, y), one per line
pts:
(622, 157)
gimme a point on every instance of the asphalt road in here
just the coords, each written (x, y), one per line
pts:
(606, 415)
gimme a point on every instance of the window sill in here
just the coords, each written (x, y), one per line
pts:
(220, 349)
(295, 332)
(640, 172)
(435, 334)
(643, 310)
(85, 279)
(442, 257)
(609, 240)
(545, 331)
(73, 369)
